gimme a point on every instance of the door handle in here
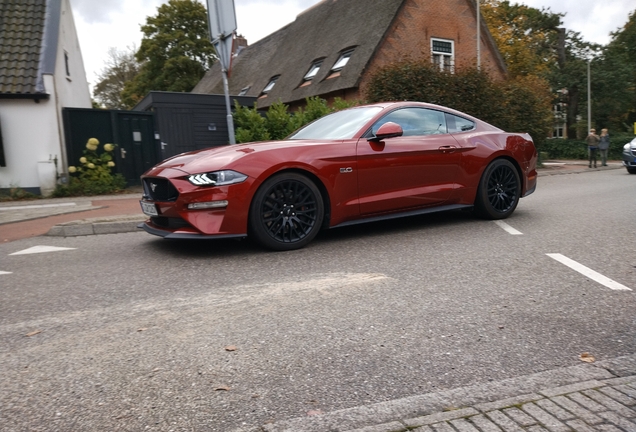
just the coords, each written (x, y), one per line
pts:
(123, 153)
(447, 149)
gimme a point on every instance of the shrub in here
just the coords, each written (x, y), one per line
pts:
(94, 174)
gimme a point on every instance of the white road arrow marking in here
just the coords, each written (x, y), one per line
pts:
(588, 272)
(508, 228)
(41, 249)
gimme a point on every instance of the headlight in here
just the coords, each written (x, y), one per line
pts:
(626, 148)
(217, 178)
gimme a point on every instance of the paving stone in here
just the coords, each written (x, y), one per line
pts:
(629, 391)
(621, 380)
(440, 417)
(387, 427)
(555, 409)
(610, 403)
(619, 421)
(607, 428)
(545, 418)
(618, 396)
(557, 391)
(442, 427)
(484, 424)
(580, 426)
(520, 417)
(509, 402)
(423, 429)
(504, 421)
(578, 410)
(536, 428)
(588, 403)
(462, 425)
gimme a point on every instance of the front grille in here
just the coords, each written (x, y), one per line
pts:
(634, 152)
(168, 222)
(160, 189)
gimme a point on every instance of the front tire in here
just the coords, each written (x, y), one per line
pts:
(286, 213)
(499, 190)
(631, 170)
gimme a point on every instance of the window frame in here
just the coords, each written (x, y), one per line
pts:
(438, 57)
(270, 84)
(344, 55)
(316, 65)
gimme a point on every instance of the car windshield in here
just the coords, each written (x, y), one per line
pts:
(339, 125)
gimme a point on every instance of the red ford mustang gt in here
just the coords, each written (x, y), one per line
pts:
(362, 164)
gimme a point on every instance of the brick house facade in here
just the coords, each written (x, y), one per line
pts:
(332, 49)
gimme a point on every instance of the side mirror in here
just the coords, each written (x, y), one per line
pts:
(387, 130)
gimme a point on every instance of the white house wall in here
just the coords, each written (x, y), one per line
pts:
(33, 133)
(30, 135)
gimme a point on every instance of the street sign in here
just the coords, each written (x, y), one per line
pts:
(222, 23)
(221, 18)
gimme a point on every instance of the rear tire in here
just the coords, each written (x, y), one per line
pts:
(286, 213)
(499, 190)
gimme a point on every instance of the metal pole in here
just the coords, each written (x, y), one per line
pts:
(478, 37)
(589, 97)
(228, 107)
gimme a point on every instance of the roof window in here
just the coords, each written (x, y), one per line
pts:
(270, 85)
(342, 60)
(244, 91)
(313, 70)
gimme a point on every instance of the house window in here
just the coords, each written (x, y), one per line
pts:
(313, 70)
(443, 54)
(342, 60)
(244, 91)
(270, 85)
(68, 70)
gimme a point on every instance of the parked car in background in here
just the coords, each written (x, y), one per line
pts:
(367, 163)
(629, 156)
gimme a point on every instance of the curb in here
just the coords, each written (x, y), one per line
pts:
(115, 225)
(472, 402)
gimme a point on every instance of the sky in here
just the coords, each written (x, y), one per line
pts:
(105, 24)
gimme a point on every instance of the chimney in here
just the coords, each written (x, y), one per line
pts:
(240, 43)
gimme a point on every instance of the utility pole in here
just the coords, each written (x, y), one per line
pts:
(589, 97)
(478, 36)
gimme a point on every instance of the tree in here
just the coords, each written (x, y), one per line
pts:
(526, 37)
(121, 67)
(175, 50)
(614, 80)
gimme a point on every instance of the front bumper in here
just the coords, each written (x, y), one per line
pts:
(150, 228)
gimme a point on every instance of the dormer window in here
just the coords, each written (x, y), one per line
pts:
(270, 85)
(313, 70)
(244, 91)
(342, 61)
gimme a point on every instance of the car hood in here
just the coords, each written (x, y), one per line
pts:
(223, 157)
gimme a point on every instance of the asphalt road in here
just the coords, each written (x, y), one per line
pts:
(132, 332)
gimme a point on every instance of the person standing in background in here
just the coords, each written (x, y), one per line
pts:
(603, 146)
(592, 146)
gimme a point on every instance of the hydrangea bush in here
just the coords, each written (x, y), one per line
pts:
(94, 175)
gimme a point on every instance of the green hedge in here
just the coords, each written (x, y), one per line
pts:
(577, 149)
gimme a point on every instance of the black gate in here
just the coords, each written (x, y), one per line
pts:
(132, 131)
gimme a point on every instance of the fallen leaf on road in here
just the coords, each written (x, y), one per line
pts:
(314, 412)
(33, 333)
(142, 329)
(587, 358)
(230, 348)
(222, 388)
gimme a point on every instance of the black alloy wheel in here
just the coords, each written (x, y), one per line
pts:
(499, 190)
(287, 212)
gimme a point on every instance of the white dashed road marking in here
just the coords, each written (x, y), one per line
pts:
(588, 272)
(4, 272)
(41, 249)
(508, 228)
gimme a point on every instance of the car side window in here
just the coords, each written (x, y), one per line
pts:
(458, 124)
(415, 121)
